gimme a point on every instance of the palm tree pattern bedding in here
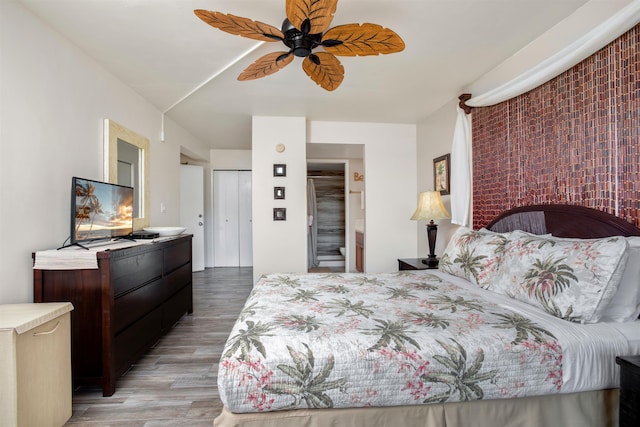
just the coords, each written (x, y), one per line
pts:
(356, 340)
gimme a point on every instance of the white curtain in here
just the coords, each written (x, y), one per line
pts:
(461, 164)
(603, 34)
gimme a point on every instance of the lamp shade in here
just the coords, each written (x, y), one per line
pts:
(430, 207)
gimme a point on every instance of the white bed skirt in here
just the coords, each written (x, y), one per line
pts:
(585, 409)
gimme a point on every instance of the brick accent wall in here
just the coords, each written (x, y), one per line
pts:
(573, 140)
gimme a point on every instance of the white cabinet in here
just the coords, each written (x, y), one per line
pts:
(233, 233)
(35, 364)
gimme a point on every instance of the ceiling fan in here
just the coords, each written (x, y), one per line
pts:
(302, 32)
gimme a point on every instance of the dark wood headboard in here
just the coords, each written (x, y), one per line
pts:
(563, 221)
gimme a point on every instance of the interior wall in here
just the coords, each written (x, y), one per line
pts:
(389, 156)
(231, 159)
(557, 38)
(572, 140)
(54, 100)
(389, 185)
(433, 133)
(279, 246)
(435, 136)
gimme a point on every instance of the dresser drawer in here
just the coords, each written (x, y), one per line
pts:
(131, 306)
(134, 340)
(177, 255)
(180, 304)
(128, 273)
(177, 280)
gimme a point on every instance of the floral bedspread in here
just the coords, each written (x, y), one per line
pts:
(355, 340)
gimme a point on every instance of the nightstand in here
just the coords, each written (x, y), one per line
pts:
(629, 390)
(35, 364)
(412, 264)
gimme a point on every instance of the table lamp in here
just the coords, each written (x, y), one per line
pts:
(430, 207)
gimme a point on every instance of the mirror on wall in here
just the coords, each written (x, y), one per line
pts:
(127, 163)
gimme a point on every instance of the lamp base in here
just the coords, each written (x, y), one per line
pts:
(431, 261)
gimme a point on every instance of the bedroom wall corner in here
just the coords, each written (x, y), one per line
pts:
(279, 246)
(434, 139)
(561, 35)
(54, 100)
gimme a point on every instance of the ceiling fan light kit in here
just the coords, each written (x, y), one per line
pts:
(303, 30)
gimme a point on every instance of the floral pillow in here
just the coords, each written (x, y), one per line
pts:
(474, 255)
(573, 279)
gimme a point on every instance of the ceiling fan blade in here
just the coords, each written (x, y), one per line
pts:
(328, 72)
(318, 12)
(240, 26)
(266, 65)
(361, 40)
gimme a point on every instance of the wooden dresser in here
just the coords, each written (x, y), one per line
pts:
(123, 307)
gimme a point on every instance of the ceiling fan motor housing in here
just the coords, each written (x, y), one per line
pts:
(300, 43)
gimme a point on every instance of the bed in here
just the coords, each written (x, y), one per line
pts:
(520, 326)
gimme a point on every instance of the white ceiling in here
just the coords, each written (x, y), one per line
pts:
(165, 53)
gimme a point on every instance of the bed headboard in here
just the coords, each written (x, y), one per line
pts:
(563, 221)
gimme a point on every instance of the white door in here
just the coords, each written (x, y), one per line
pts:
(245, 232)
(192, 210)
(225, 219)
(232, 238)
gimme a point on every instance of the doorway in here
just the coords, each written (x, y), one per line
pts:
(327, 213)
(232, 222)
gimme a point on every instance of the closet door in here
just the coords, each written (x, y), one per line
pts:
(245, 232)
(225, 217)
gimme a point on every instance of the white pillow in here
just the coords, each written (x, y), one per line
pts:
(625, 304)
(474, 255)
(573, 279)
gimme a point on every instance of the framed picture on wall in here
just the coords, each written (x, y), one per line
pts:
(279, 214)
(279, 170)
(278, 193)
(441, 174)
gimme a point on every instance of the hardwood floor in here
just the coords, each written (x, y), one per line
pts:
(175, 383)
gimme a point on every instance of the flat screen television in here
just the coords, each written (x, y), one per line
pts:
(100, 210)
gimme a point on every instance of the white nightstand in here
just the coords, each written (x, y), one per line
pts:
(35, 364)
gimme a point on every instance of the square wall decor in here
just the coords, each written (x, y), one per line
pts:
(279, 170)
(279, 214)
(278, 193)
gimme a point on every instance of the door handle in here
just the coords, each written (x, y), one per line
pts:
(200, 223)
(37, 334)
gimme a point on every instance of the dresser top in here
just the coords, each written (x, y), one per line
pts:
(24, 317)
